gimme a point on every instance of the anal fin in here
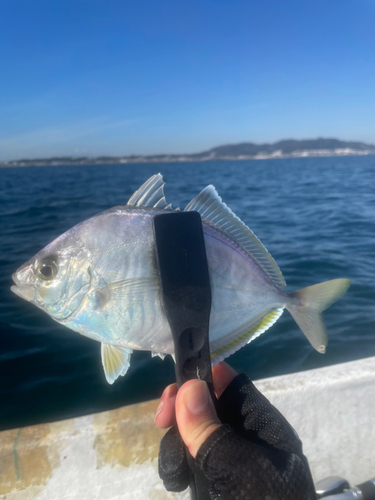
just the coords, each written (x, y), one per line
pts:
(160, 354)
(245, 336)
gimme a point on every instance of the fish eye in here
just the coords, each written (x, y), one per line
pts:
(47, 269)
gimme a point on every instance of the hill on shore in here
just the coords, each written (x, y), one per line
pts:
(289, 148)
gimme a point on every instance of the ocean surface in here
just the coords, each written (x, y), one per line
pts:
(315, 215)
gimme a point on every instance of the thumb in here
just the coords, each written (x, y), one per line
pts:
(195, 414)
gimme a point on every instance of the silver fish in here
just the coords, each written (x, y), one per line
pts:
(100, 279)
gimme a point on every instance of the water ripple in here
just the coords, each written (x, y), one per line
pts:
(316, 216)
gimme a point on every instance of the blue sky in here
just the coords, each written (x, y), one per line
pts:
(93, 77)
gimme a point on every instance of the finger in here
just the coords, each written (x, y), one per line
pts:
(195, 414)
(173, 466)
(165, 414)
(222, 375)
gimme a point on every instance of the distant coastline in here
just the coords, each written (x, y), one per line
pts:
(245, 151)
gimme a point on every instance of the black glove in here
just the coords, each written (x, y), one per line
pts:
(255, 455)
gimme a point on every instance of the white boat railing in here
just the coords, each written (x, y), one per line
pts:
(113, 455)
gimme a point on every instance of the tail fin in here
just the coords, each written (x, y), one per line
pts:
(311, 301)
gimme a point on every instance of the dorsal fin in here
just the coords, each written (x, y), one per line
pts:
(209, 204)
(150, 194)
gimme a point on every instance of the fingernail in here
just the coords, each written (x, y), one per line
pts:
(159, 408)
(197, 397)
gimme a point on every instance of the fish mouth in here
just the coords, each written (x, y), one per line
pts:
(26, 292)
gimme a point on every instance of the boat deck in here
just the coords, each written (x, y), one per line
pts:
(113, 455)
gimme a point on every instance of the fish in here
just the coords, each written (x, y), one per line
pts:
(100, 278)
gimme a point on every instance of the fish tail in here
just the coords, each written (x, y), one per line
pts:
(306, 306)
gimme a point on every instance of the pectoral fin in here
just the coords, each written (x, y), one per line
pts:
(115, 360)
(128, 292)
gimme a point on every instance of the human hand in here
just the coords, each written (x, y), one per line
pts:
(256, 455)
(197, 418)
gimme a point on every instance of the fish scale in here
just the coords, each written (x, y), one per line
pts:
(100, 279)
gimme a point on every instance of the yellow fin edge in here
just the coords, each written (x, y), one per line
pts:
(247, 336)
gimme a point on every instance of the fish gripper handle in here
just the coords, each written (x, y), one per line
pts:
(186, 295)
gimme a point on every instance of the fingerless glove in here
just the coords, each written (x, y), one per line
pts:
(254, 455)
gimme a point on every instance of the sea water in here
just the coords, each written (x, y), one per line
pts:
(316, 216)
